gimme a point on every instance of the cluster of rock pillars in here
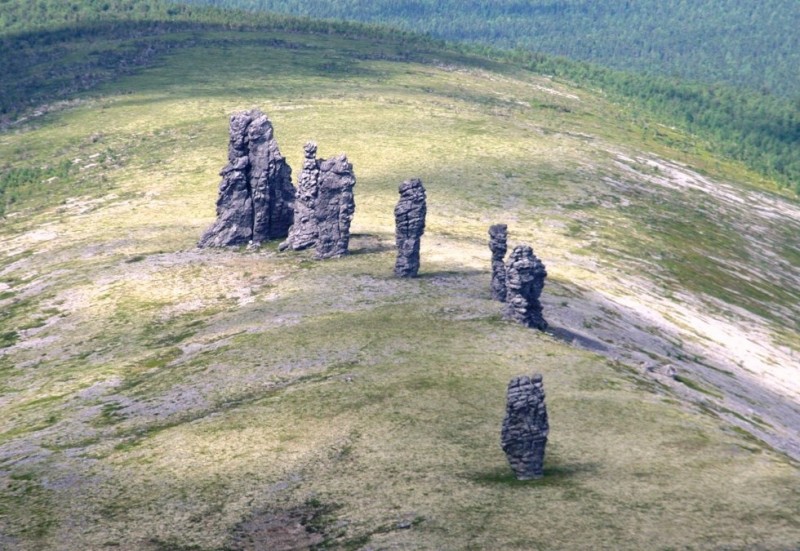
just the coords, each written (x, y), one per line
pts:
(257, 202)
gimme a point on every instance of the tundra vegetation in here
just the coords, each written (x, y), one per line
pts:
(158, 396)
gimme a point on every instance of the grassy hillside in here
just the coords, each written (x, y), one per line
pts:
(56, 49)
(734, 41)
(155, 396)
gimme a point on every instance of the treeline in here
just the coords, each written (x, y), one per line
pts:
(759, 129)
(52, 49)
(739, 42)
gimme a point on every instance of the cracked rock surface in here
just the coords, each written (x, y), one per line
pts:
(409, 216)
(525, 275)
(498, 243)
(525, 427)
(256, 195)
(335, 206)
(303, 233)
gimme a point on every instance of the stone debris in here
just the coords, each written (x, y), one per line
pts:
(303, 233)
(256, 195)
(335, 206)
(525, 427)
(525, 275)
(409, 216)
(498, 243)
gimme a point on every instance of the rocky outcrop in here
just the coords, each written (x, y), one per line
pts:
(334, 207)
(525, 427)
(409, 216)
(303, 233)
(525, 275)
(498, 243)
(256, 195)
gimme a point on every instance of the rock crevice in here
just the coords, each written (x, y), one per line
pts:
(256, 195)
(525, 275)
(409, 216)
(525, 427)
(324, 207)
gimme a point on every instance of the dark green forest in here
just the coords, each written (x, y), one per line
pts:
(53, 50)
(739, 42)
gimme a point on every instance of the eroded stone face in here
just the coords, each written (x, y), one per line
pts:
(525, 427)
(303, 233)
(324, 206)
(335, 206)
(525, 275)
(409, 216)
(498, 244)
(256, 195)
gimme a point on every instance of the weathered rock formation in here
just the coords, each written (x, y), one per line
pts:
(303, 233)
(335, 206)
(525, 427)
(409, 217)
(525, 275)
(324, 206)
(498, 243)
(256, 193)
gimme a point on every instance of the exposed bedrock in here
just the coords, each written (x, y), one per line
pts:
(335, 206)
(525, 275)
(256, 196)
(409, 216)
(498, 243)
(525, 427)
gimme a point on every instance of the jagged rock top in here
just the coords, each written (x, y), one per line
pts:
(409, 217)
(335, 206)
(525, 275)
(525, 426)
(256, 195)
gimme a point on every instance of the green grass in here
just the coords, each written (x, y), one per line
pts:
(177, 393)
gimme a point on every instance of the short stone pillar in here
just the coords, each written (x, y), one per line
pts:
(409, 217)
(525, 427)
(525, 275)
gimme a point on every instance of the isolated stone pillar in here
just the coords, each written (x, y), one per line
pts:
(525, 427)
(256, 196)
(498, 243)
(525, 275)
(409, 216)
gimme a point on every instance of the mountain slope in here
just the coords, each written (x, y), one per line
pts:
(741, 43)
(155, 396)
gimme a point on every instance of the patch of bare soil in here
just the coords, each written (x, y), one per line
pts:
(290, 530)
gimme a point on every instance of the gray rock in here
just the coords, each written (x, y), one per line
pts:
(498, 243)
(525, 427)
(525, 275)
(335, 206)
(409, 216)
(256, 195)
(303, 233)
